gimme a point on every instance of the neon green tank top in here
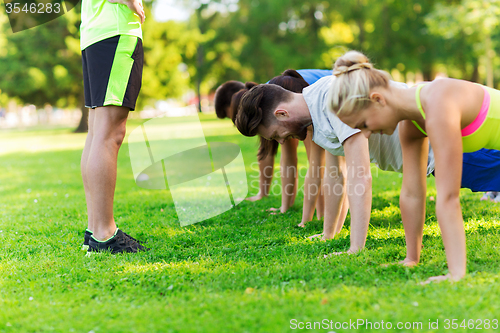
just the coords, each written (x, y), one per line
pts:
(487, 135)
(102, 19)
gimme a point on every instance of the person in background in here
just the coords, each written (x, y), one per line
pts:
(227, 97)
(275, 113)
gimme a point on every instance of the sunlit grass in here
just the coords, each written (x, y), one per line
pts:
(242, 271)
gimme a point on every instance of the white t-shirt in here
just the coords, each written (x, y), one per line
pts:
(330, 133)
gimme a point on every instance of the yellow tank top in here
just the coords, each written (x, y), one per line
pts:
(487, 134)
(102, 19)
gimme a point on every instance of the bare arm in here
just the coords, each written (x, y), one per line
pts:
(289, 170)
(413, 191)
(334, 194)
(312, 181)
(359, 188)
(266, 168)
(134, 5)
(443, 127)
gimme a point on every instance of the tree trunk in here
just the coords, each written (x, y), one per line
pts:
(489, 62)
(199, 76)
(83, 127)
(199, 57)
(475, 73)
(360, 21)
(427, 72)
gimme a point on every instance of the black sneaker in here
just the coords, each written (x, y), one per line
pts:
(86, 239)
(119, 243)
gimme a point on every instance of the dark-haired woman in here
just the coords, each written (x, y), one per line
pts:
(227, 98)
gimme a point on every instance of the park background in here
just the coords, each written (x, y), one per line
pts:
(245, 270)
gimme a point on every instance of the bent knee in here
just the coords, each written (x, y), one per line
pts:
(118, 135)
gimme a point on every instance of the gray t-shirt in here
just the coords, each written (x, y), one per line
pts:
(330, 133)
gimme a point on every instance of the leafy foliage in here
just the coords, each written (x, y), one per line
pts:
(42, 65)
(256, 40)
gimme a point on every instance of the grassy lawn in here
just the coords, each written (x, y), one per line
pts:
(242, 271)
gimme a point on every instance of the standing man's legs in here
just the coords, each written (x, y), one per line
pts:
(106, 133)
(112, 71)
(86, 187)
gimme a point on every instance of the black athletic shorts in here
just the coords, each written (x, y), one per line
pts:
(112, 71)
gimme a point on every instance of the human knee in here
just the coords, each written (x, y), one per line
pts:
(111, 135)
(118, 135)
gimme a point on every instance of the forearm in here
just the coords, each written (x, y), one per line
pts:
(343, 214)
(334, 196)
(266, 169)
(320, 205)
(288, 166)
(311, 193)
(266, 166)
(451, 223)
(288, 185)
(359, 192)
(413, 216)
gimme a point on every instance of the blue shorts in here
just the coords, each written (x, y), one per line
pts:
(481, 170)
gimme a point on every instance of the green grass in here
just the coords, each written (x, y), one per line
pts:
(242, 271)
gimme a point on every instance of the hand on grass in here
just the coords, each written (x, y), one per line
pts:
(255, 197)
(316, 236)
(350, 251)
(439, 278)
(275, 211)
(408, 262)
(133, 5)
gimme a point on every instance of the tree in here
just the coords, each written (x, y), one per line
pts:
(42, 65)
(278, 37)
(216, 56)
(473, 21)
(165, 46)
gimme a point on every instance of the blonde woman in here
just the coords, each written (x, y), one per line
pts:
(455, 115)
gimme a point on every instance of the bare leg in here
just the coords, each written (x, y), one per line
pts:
(266, 169)
(108, 131)
(83, 167)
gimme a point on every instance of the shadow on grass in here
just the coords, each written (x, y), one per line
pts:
(244, 247)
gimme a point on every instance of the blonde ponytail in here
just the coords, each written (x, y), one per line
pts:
(355, 76)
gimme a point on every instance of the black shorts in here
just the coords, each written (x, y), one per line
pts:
(112, 72)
